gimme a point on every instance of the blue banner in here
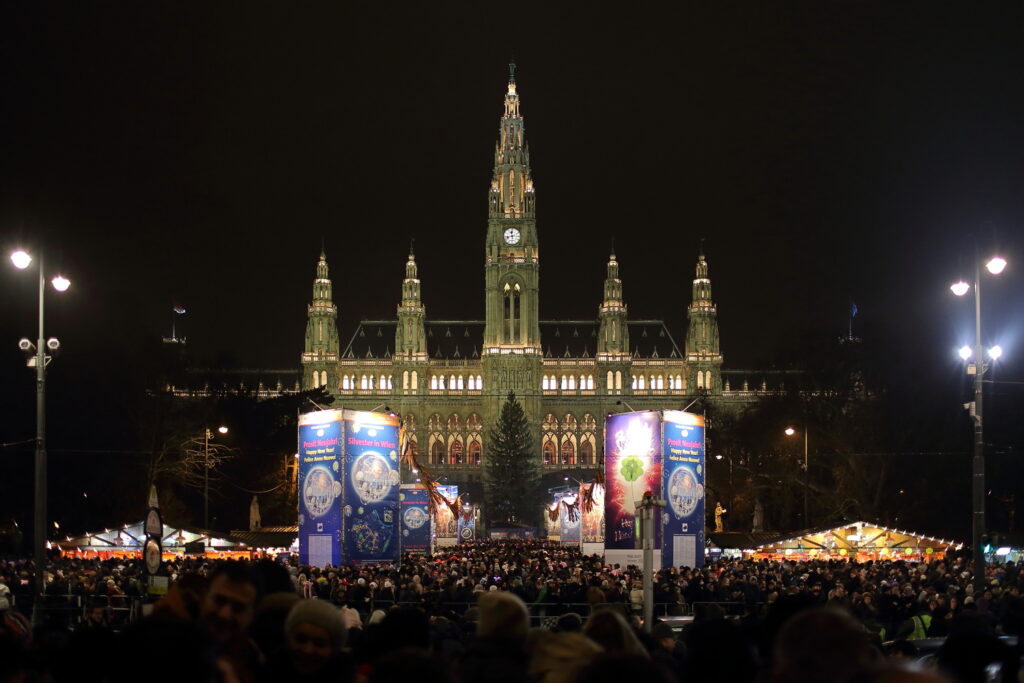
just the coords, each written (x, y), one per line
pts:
(319, 488)
(370, 533)
(467, 527)
(683, 516)
(415, 519)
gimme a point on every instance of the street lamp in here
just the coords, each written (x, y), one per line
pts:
(22, 260)
(790, 431)
(995, 266)
(207, 435)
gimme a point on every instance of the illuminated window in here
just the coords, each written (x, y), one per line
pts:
(700, 379)
(572, 383)
(587, 452)
(479, 382)
(456, 452)
(460, 382)
(415, 380)
(437, 452)
(544, 383)
(345, 382)
(611, 381)
(433, 382)
(590, 382)
(568, 453)
(474, 452)
(618, 379)
(364, 383)
(707, 380)
(405, 379)
(549, 452)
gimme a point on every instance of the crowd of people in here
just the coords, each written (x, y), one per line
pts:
(514, 611)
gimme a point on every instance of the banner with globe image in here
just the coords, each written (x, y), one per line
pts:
(632, 466)
(415, 519)
(683, 516)
(370, 515)
(319, 488)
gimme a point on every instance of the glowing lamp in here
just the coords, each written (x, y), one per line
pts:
(790, 431)
(21, 259)
(959, 288)
(996, 265)
(222, 430)
(965, 352)
(995, 352)
(61, 283)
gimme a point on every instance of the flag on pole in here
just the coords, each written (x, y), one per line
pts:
(178, 308)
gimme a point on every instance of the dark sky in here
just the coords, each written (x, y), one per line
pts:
(826, 151)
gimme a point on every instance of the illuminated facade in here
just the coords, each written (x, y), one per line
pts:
(449, 378)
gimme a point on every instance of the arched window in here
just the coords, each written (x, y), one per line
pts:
(452, 386)
(344, 383)
(513, 313)
(316, 379)
(565, 383)
(415, 380)
(680, 383)
(456, 452)
(568, 453)
(433, 382)
(323, 378)
(437, 453)
(440, 382)
(590, 382)
(454, 422)
(405, 379)
(544, 383)
(363, 382)
(549, 452)
(460, 382)
(700, 379)
(572, 383)
(611, 382)
(640, 382)
(618, 379)
(661, 382)
(474, 452)
(586, 452)
(479, 382)
(707, 380)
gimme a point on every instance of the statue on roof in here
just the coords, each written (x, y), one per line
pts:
(254, 514)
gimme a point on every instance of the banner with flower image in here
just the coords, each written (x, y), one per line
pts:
(632, 466)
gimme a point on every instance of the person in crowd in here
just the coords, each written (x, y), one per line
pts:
(315, 635)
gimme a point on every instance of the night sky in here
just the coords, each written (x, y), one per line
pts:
(827, 152)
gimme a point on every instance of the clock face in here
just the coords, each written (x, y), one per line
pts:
(512, 236)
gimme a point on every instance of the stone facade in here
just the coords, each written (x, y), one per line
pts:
(448, 378)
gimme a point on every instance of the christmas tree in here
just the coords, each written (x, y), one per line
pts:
(512, 469)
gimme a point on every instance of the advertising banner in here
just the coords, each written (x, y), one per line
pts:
(467, 527)
(370, 514)
(683, 516)
(632, 466)
(415, 519)
(445, 527)
(319, 488)
(552, 527)
(569, 522)
(592, 523)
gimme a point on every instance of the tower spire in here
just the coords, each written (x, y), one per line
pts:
(613, 335)
(512, 70)
(703, 351)
(410, 335)
(321, 347)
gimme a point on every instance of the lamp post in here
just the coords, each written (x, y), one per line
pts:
(995, 266)
(207, 435)
(21, 261)
(790, 431)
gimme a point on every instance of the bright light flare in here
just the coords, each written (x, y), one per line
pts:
(222, 429)
(960, 288)
(790, 431)
(21, 259)
(995, 352)
(61, 283)
(966, 352)
(996, 265)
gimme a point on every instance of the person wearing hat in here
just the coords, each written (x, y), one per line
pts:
(314, 636)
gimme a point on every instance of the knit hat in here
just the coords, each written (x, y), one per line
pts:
(319, 613)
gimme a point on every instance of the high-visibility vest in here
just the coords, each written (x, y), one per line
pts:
(921, 624)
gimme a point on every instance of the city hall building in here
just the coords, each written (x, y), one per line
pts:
(449, 378)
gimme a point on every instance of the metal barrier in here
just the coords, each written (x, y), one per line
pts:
(71, 610)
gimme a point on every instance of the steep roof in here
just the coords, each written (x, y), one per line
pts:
(463, 339)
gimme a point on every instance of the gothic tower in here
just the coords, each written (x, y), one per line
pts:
(512, 348)
(410, 333)
(613, 334)
(703, 353)
(321, 350)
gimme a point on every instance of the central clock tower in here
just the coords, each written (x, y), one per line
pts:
(512, 350)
